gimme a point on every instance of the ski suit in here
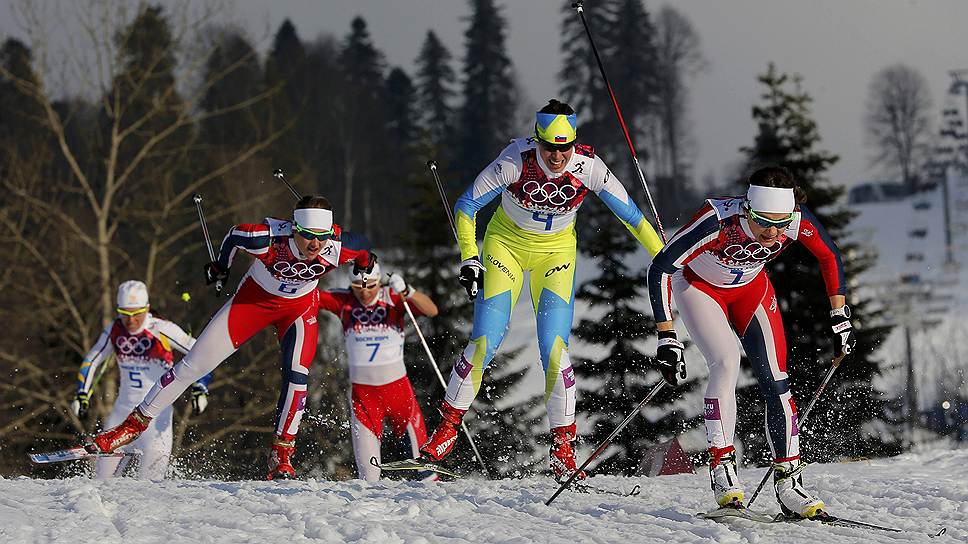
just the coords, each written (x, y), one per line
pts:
(533, 230)
(142, 356)
(379, 385)
(279, 289)
(714, 268)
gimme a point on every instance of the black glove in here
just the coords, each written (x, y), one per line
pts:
(80, 404)
(369, 265)
(471, 276)
(668, 358)
(199, 398)
(215, 273)
(844, 338)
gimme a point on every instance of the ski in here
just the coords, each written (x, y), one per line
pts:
(827, 519)
(413, 464)
(71, 454)
(762, 517)
(737, 512)
(585, 488)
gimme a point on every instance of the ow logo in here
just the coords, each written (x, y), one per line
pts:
(557, 269)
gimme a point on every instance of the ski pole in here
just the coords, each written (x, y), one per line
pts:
(579, 7)
(605, 443)
(208, 240)
(440, 377)
(432, 164)
(281, 176)
(803, 421)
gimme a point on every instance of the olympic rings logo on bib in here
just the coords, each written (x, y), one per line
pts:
(753, 251)
(548, 193)
(373, 316)
(299, 270)
(132, 345)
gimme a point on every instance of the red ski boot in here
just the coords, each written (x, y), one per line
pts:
(445, 435)
(562, 454)
(125, 433)
(279, 453)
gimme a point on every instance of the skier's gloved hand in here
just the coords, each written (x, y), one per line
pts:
(199, 398)
(80, 404)
(471, 276)
(669, 358)
(844, 338)
(215, 273)
(398, 284)
(371, 260)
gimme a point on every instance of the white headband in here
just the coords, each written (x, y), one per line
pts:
(770, 199)
(313, 218)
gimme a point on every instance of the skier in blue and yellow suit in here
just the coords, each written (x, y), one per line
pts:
(542, 182)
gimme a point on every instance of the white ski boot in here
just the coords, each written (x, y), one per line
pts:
(794, 499)
(723, 479)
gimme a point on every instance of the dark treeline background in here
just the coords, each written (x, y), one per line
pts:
(164, 102)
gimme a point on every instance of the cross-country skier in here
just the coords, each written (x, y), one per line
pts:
(279, 289)
(542, 180)
(142, 344)
(713, 268)
(373, 319)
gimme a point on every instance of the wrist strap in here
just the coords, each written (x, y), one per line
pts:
(843, 311)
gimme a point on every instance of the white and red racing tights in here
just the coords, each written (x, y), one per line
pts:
(371, 404)
(715, 316)
(249, 311)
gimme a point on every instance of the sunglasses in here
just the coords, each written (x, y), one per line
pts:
(356, 285)
(314, 234)
(550, 147)
(766, 222)
(132, 313)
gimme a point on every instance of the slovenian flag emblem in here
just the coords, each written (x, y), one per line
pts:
(561, 139)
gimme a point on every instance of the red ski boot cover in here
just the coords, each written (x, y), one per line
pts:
(280, 452)
(442, 442)
(125, 433)
(562, 455)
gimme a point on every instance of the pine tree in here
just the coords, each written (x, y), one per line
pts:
(362, 127)
(435, 94)
(613, 384)
(623, 32)
(582, 85)
(841, 423)
(486, 118)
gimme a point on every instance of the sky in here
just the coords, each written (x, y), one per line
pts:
(836, 45)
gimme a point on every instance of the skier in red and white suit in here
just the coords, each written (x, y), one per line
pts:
(279, 289)
(373, 319)
(142, 344)
(713, 267)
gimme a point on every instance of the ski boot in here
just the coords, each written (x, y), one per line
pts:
(723, 479)
(562, 454)
(125, 433)
(279, 454)
(794, 499)
(445, 435)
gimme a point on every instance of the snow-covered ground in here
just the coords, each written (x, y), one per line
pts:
(919, 493)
